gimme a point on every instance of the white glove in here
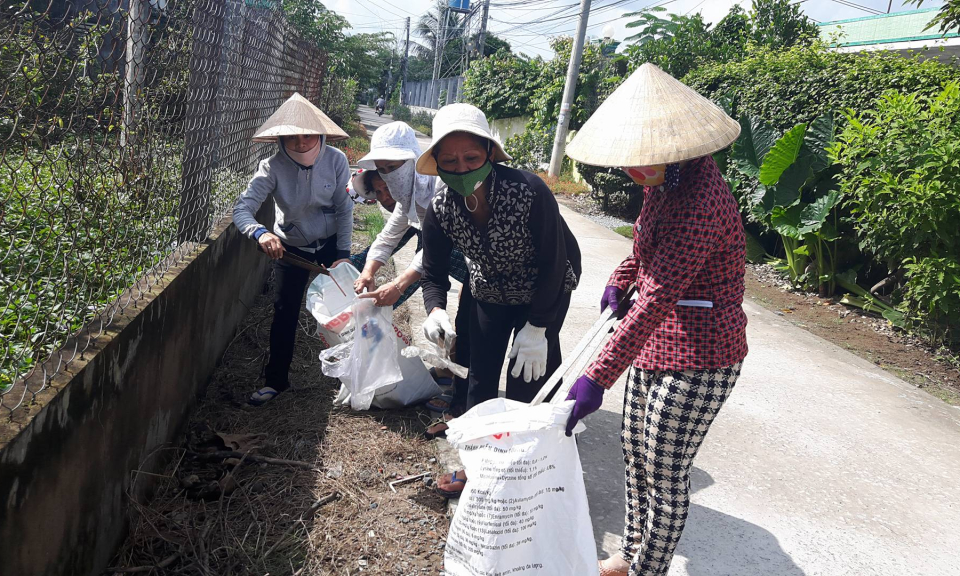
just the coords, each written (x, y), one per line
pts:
(438, 329)
(530, 350)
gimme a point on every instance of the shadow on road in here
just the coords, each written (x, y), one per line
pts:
(713, 543)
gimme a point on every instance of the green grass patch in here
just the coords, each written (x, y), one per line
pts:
(370, 220)
(625, 231)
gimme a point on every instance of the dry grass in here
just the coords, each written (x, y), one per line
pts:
(253, 518)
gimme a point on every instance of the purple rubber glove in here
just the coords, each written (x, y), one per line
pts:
(588, 395)
(611, 297)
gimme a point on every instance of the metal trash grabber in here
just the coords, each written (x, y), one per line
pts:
(577, 361)
(306, 265)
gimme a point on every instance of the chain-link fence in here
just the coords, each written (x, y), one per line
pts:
(125, 130)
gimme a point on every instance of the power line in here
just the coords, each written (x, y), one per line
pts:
(858, 6)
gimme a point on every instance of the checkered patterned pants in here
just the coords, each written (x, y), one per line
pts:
(666, 415)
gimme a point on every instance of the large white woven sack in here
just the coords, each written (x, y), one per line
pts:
(524, 508)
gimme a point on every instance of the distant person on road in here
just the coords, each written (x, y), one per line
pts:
(685, 335)
(381, 104)
(314, 218)
(524, 261)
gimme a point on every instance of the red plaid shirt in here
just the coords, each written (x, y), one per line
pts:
(688, 244)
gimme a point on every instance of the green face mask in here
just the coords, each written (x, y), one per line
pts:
(464, 183)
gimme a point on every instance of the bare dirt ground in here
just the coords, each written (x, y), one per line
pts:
(866, 335)
(296, 487)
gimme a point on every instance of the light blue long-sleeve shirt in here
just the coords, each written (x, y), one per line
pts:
(312, 204)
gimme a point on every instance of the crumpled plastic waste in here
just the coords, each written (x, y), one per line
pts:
(431, 354)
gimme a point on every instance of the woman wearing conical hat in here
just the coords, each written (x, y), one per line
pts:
(685, 334)
(314, 218)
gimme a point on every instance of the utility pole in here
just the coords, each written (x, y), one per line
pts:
(569, 90)
(134, 72)
(440, 40)
(483, 28)
(403, 66)
(465, 45)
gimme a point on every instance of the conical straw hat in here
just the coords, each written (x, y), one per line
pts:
(652, 119)
(298, 116)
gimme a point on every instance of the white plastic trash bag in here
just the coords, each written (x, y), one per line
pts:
(524, 508)
(374, 354)
(416, 387)
(332, 305)
(384, 379)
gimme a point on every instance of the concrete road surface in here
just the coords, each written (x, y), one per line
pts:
(370, 120)
(820, 463)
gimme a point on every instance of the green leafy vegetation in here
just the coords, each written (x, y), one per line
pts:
(76, 250)
(803, 83)
(846, 170)
(370, 220)
(900, 164)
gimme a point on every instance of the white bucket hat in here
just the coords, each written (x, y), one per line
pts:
(297, 116)
(458, 118)
(358, 185)
(393, 141)
(652, 119)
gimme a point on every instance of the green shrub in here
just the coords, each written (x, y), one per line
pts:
(613, 190)
(503, 84)
(805, 82)
(901, 181)
(38, 60)
(423, 122)
(401, 113)
(530, 149)
(81, 236)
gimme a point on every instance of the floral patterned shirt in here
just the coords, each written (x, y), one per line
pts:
(525, 255)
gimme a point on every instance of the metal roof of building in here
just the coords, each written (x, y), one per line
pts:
(885, 29)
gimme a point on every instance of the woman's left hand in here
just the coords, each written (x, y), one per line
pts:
(587, 396)
(386, 295)
(530, 350)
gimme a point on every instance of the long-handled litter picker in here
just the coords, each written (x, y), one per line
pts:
(575, 363)
(306, 265)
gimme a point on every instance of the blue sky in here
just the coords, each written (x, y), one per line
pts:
(512, 19)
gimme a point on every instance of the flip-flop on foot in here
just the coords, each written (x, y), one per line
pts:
(262, 396)
(441, 403)
(453, 480)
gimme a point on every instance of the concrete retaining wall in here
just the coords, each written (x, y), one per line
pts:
(504, 128)
(66, 473)
(426, 94)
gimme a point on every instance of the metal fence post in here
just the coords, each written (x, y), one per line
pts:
(199, 128)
